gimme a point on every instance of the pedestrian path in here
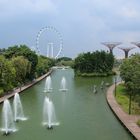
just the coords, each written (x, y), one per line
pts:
(129, 121)
(9, 95)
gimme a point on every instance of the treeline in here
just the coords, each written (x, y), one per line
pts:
(19, 65)
(99, 63)
(65, 61)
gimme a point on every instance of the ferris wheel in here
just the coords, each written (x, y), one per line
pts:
(50, 46)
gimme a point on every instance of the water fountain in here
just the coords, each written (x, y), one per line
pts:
(63, 68)
(49, 117)
(48, 85)
(102, 84)
(94, 89)
(63, 84)
(8, 125)
(18, 109)
(107, 84)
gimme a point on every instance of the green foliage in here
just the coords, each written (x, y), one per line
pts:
(67, 63)
(12, 52)
(64, 59)
(130, 73)
(43, 65)
(22, 67)
(100, 63)
(7, 74)
(138, 123)
(2, 51)
(122, 98)
(25, 51)
(51, 62)
(1, 91)
(19, 64)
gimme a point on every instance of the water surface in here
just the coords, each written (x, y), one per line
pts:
(82, 114)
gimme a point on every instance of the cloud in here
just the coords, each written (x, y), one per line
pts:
(17, 7)
(83, 23)
(129, 12)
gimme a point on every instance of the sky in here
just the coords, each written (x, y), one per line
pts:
(83, 24)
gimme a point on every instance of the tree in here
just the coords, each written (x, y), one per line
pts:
(12, 51)
(23, 50)
(7, 74)
(2, 50)
(19, 64)
(130, 73)
(32, 57)
(64, 59)
(42, 66)
(95, 62)
(22, 67)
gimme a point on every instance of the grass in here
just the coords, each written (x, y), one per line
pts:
(95, 74)
(122, 98)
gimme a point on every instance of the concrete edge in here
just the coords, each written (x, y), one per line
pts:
(25, 87)
(115, 107)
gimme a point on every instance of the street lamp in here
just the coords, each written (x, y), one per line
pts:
(130, 99)
(115, 80)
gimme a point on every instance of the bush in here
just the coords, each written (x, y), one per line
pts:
(138, 123)
(1, 91)
(94, 64)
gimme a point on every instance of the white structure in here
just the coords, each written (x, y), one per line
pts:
(50, 50)
(59, 36)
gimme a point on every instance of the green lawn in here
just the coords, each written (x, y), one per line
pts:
(123, 99)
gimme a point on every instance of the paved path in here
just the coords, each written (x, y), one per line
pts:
(24, 87)
(129, 121)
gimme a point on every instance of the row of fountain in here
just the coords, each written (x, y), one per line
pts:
(48, 84)
(9, 116)
(49, 117)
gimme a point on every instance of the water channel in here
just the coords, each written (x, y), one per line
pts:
(82, 114)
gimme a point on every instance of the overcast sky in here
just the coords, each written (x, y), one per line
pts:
(84, 24)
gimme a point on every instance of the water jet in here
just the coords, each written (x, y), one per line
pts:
(8, 125)
(49, 117)
(48, 85)
(94, 89)
(18, 109)
(63, 85)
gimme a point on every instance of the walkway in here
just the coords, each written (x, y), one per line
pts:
(129, 121)
(24, 87)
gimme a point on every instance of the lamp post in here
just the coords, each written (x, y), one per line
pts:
(115, 80)
(130, 98)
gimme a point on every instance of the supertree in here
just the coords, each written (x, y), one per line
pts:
(111, 45)
(126, 50)
(136, 43)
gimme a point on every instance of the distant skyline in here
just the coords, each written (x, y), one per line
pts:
(84, 24)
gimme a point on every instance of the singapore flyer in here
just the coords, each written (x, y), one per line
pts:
(49, 42)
